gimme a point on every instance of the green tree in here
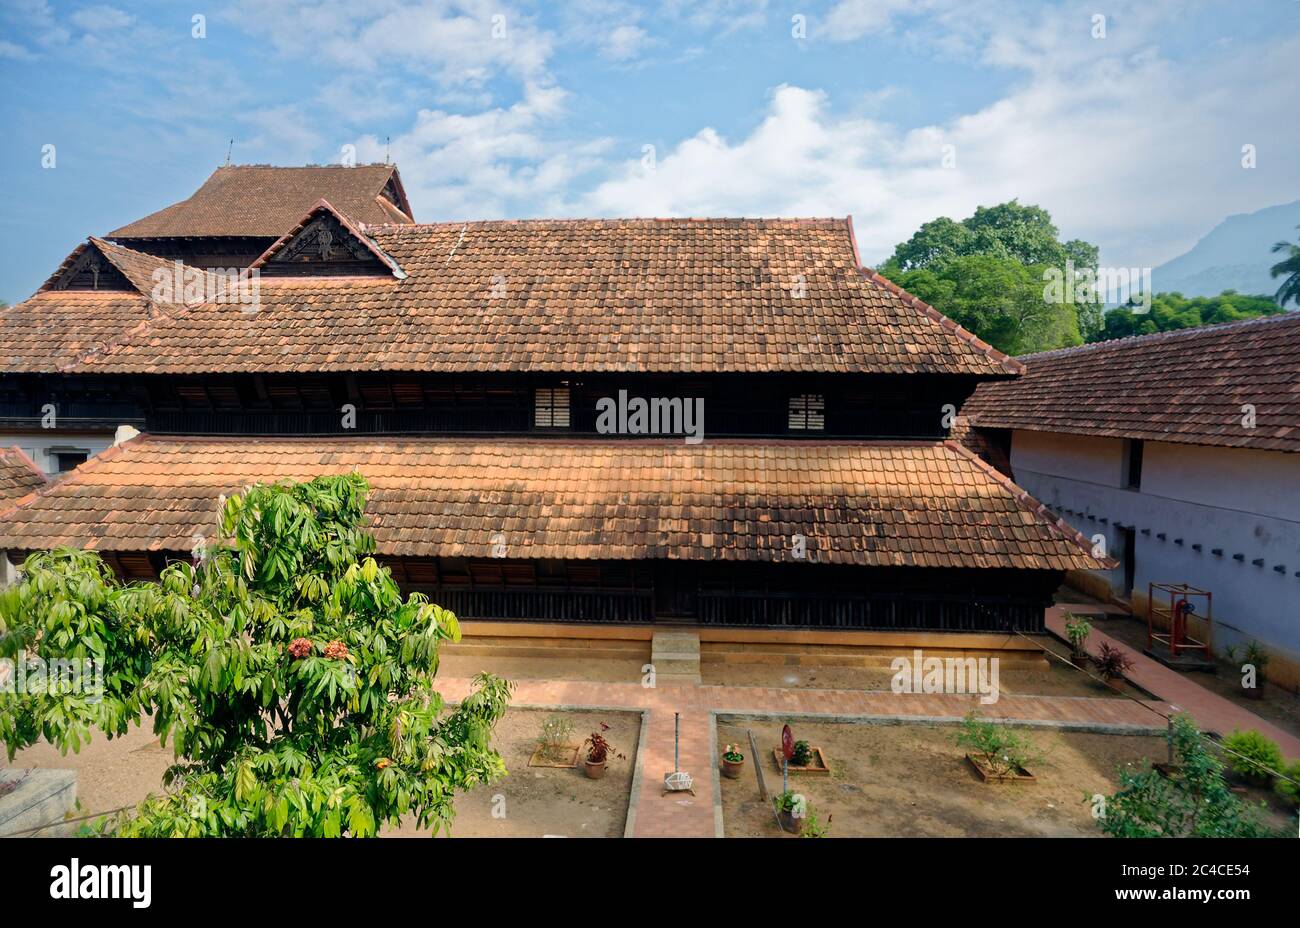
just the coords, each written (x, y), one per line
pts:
(1194, 803)
(294, 681)
(1290, 268)
(1024, 234)
(990, 273)
(1171, 311)
(999, 299)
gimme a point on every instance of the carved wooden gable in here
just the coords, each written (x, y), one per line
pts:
(90, 270)
(324, 246)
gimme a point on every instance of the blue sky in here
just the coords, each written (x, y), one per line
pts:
(1132, 139)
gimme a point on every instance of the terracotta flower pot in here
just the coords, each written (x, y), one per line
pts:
(731, 768)
(594, 771)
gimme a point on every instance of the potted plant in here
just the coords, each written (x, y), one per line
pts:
(1258, 657)
(803, 755)
(787, 804)
(732, 761)
(1112, 664)
(1077, 629)
(598, 754)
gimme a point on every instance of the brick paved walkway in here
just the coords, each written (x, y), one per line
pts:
(1211, 711)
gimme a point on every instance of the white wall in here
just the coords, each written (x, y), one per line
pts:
(1242, 501)
(39, 444)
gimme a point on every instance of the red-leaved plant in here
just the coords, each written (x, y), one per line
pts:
(598, 749)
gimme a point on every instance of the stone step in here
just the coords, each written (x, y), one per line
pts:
(679, 642)
(666, 664)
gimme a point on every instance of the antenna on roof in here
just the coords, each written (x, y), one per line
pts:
(388, 139)
(229, 148)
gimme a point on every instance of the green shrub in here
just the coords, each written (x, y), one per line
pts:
(1251, 755)
(1289, 789)
(1004, 750)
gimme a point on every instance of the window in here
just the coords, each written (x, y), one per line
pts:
(551, 408)
(807, 412)
(1133, 463)
(65, 461)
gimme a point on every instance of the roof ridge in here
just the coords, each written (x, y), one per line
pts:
(1030, 504)
(1167, 335)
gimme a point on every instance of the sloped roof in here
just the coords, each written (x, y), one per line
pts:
(19, 476)
(919, 504)
(636, 295)
(264, 200)
(57, 330)
(1192, 386)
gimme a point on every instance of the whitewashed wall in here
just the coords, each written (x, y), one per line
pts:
(1244, 502)
(39, 445)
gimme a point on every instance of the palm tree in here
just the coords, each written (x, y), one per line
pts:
(1290, 266)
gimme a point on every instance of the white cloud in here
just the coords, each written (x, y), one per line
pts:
(1124, 147)
(499, 163)
(624, 42)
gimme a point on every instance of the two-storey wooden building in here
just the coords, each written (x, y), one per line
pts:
(718, 422)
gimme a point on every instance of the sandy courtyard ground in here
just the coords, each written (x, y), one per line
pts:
(913, 781)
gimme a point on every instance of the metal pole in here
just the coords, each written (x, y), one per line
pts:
(677, 745)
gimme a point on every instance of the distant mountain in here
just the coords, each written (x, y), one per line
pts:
(1236, 255)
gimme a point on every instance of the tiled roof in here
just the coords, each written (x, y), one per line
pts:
(688, 295)
(262, 200)
(980, 443)
(1194, 386)
(19, 476)
(56, 330)
(924, 504)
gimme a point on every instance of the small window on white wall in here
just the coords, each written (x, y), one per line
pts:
(808, 412)
(551, 408)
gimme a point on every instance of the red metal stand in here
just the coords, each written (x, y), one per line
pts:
(1182, 602)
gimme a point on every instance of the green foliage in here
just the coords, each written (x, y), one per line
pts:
(1172, 311)
(1252, 756)
(1004, 751)
(814, 827)
(1288, 785)
(803, 755)
(786, 801)
(294, 681)
(1289, 270)
(1077, 629)
(999, 299)
(1021, 234)
(732, 754)
(989, 272)
(557, 731)
(1194, 803)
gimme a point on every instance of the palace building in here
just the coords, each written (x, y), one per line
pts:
(486, 378)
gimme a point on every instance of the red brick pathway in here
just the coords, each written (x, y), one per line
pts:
(1211, 711)
(681, 815)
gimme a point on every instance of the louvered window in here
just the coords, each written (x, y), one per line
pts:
(807, 412)
(551, 409)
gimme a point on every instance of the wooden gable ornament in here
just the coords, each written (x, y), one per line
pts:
(88, 268)
(326, 243)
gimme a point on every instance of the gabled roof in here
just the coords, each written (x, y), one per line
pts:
(897, 504)
(350, 229)
(57, 329)
(1192, 386)
(264, 200)
(19, 476)
(628, 295)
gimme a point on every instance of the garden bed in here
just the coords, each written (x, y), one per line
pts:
(913, 781)
(548, 800)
